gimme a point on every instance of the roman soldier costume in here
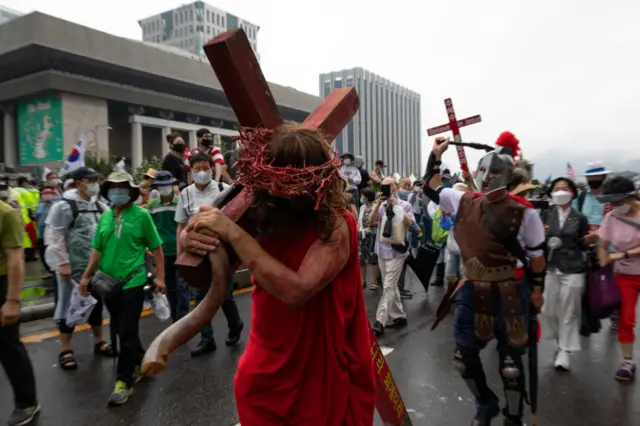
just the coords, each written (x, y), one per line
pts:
(496, 232)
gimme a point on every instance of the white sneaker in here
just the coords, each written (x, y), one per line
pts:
(562, 361)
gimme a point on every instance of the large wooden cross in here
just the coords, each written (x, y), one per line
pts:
(241, 78)
(454, 126)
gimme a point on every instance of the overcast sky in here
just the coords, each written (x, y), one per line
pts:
(555, 72)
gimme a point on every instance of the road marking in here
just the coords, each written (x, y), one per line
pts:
(38, 337)
(385, 350)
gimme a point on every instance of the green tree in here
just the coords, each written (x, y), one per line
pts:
(148, 163)
(100, 163)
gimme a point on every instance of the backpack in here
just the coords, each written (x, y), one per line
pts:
(438, 235)
(75, 211)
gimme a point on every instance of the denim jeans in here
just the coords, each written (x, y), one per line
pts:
(453, 266)
(230, 310)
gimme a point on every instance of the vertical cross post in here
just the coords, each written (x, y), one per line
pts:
(454, 126)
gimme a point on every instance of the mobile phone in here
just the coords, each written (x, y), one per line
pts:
(385, 190)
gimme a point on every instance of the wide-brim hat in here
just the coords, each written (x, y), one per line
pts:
(151, 173)
(523, 187)
(596, 168)
(348, 155)
(616, 198)
(163, 178)
(571, 184)
(119, 177)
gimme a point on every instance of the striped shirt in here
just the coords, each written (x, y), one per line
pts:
(215, 154)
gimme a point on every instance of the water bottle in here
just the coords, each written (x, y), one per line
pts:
(160, 306)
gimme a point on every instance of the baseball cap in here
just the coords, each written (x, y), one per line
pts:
(85, 173)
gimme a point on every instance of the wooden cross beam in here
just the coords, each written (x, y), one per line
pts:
(454, 126)
(238, 71)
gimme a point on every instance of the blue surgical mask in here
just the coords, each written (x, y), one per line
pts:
(119, 196)
(447, 184)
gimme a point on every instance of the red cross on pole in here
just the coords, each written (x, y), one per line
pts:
(248, 93)
(454, 126)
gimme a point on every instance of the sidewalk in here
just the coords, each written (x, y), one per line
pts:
(37, 294)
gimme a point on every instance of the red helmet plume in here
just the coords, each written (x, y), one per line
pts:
(509, 140)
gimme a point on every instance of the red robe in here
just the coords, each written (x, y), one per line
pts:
(312, 365)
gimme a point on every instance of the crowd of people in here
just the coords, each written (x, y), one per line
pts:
(101, 235)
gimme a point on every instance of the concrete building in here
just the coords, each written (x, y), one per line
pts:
(387, 125)
(59, 80)
(7, 14)
(190, 26)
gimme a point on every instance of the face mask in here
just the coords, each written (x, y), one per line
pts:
(561, 197)
(595, 184)
(202, 178)
(53, 182)
(119, 196)
(206, 143)
(178, 147)
(346, 161)
(47, 198)
(447, 184)
(4, 194)
(623, 209)
(165, 190)
(93, 189)
(362, 201)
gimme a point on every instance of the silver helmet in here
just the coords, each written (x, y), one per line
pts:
(495, 168)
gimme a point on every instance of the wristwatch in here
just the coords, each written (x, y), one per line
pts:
(626, 255)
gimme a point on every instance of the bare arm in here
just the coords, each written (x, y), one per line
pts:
(603, 252)
(323, 261)
(158, 258)
(373, 217)
(15, 272)
(179, 230)
(94, 262)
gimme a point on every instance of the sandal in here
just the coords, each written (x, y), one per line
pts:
(104, 349)
(67, 361)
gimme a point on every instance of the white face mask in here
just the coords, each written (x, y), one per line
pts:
(346, 161)
(93, 189)
(165, 190)
(561, 197)
(202, 178)
(623, 209)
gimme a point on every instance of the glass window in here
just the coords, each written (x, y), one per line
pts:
(192, 29)
(191, 14)
(222, 20)
(217, 19)
(208, 29)
(208, 16)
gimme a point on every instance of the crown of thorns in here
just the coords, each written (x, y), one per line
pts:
(256, 170)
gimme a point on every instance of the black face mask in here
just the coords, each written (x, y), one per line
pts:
(595, 184)
(178, 147)
(206, 143)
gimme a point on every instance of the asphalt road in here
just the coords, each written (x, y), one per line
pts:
(200, 391)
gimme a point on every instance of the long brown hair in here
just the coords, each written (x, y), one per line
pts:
(294, 146)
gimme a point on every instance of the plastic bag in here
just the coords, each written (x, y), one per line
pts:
(160, 306)
(80, 307)
(398, 231)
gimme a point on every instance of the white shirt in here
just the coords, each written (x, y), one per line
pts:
(563, 214)
(351, 172)
(530, 234)
(191, 199)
